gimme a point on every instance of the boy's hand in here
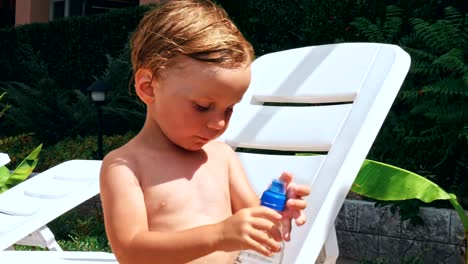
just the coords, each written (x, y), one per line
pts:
(255, 228)
(295, 203)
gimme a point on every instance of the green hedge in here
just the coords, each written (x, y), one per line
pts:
(74, 49)
(67, 149)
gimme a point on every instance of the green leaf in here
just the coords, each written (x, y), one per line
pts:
(25, 168)
(385, 182)
(4, 175)
(389, 183)
(3, 189)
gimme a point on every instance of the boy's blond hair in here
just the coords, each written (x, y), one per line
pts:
(196, 28)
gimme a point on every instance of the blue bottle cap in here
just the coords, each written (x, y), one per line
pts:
(275, 196)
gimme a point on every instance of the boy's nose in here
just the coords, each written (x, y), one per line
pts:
(217, 123)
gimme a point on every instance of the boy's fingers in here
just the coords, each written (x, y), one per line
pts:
(275, 233)
(296, 204)
(286, 177)
(269, 227)
(254, 245)
(302, 190)
(300, 219)
(268, 213)
(265, 241)
(298, 190)
(286, 229)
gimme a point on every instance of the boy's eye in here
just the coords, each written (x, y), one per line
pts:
(202, 108)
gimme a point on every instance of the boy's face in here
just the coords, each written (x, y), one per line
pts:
(194, 100)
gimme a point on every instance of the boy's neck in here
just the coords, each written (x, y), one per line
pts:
(151, 136)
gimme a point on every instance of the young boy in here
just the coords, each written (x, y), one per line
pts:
(172, 194)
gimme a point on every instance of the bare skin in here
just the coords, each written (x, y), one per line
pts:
(173, 194)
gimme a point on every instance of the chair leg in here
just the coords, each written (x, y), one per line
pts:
(329, 252)
(54, 246)
(42, 237)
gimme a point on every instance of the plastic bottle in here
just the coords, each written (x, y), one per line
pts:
(275, 198)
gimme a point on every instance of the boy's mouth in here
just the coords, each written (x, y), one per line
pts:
(203, 138)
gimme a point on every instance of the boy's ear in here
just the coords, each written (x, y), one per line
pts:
(145, 85)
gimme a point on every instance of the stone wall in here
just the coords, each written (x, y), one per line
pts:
(368, 233)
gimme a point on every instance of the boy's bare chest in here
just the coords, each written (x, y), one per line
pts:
(183, 193)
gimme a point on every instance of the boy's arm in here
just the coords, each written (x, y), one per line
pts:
(242, 193)
(126, 223)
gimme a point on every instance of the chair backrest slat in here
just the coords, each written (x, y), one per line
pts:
(263, 166)
(311, 74)
(286, 128)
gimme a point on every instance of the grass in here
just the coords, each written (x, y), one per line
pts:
(81, 230)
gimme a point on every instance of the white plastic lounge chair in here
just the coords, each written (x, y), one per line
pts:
(4, 159)
(349, 89)
(28, 207)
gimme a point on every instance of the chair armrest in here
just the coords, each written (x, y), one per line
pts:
(4, 159)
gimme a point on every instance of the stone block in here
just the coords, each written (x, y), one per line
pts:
(436, 226)
(396, 250)
(378, 221)
(434, 253)
(347, 217)
(393, 250)
(357, 246)
(456, 229)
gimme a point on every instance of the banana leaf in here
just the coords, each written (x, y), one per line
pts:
(385, 182)
(4, 175)
(25, 168)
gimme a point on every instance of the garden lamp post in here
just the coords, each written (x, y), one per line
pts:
(98, 94)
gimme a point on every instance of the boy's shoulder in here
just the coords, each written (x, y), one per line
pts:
(123, 153)
(216, 147)
(120, 152)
